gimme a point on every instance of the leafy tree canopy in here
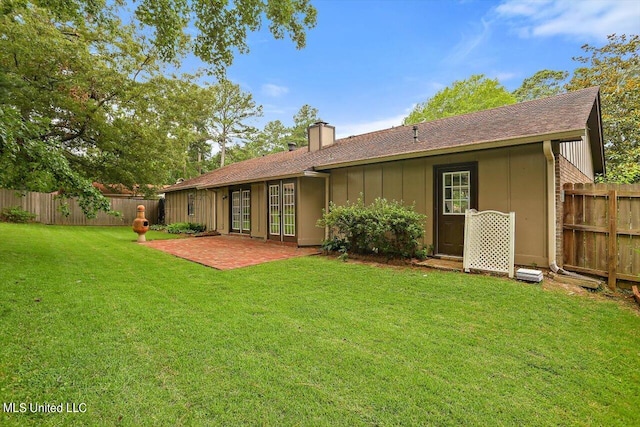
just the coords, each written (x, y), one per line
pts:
(83, 97)
(272, 138)
(615, 67)
(542, 84)
(221, 26)
(305, 117)
(465, 96)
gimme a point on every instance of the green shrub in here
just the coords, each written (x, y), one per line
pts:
(196, 227)
(335, 244)
(16, 214)
(158, 227)
(384, 227)
(422, 254)
(185, 228)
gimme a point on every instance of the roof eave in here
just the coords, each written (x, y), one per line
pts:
(305, 173)
(186, 187)
(597, 139)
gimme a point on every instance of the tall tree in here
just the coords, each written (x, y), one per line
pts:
(305, 117)
(227, 111)
(465, 96)
(65, 96)
(82, 96)
(272, 138)
(615, 67)
(275, 136)
(542, 84)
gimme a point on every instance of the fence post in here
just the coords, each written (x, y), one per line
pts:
(613, 238)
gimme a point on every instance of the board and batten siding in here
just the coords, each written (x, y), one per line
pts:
(176, 207)
(311, 202)
(222, 210)
(259, 210)
(578, 153)
(511, 179)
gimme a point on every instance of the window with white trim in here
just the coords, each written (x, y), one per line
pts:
(456, 194)
(235, 210)
(289, 209)
(246, 210)
(191, 201)
(274, 210)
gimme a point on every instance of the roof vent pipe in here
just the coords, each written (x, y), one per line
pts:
(292, 146)
(415, 133)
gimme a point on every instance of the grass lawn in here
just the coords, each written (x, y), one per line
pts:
(142, 338)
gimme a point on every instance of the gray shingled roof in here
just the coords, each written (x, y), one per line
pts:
(564, 113)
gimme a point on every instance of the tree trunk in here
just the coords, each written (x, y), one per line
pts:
(223, 149)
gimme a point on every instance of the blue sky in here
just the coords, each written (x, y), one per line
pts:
(368, 62)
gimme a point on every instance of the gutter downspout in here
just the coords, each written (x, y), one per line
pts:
(551, 214)
(551, 204)
(326, 205)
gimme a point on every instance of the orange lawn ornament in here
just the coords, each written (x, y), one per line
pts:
(141, 224)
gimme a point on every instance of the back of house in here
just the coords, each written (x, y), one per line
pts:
(511, 159)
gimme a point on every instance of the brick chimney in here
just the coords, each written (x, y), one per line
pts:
(320, 135)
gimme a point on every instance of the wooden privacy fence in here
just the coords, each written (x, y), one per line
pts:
(46, 208)
(601, 230)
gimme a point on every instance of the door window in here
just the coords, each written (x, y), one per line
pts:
(274, 210)
(246, 210)
(191, 200)
(235, 210)
(241, 210)
(289, 208)
(456, 192)
(282, 211)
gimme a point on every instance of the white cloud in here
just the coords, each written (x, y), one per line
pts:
(593, 19)
(504, 76)
(274, 91)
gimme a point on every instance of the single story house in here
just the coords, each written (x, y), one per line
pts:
(511, 159)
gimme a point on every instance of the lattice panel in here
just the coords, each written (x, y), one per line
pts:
(489, 241)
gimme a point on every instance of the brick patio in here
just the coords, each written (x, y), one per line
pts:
(229, 252)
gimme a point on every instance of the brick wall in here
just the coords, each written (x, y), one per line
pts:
(565, 172)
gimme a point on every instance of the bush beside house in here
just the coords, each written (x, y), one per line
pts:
(383, 227)
(185, 228)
